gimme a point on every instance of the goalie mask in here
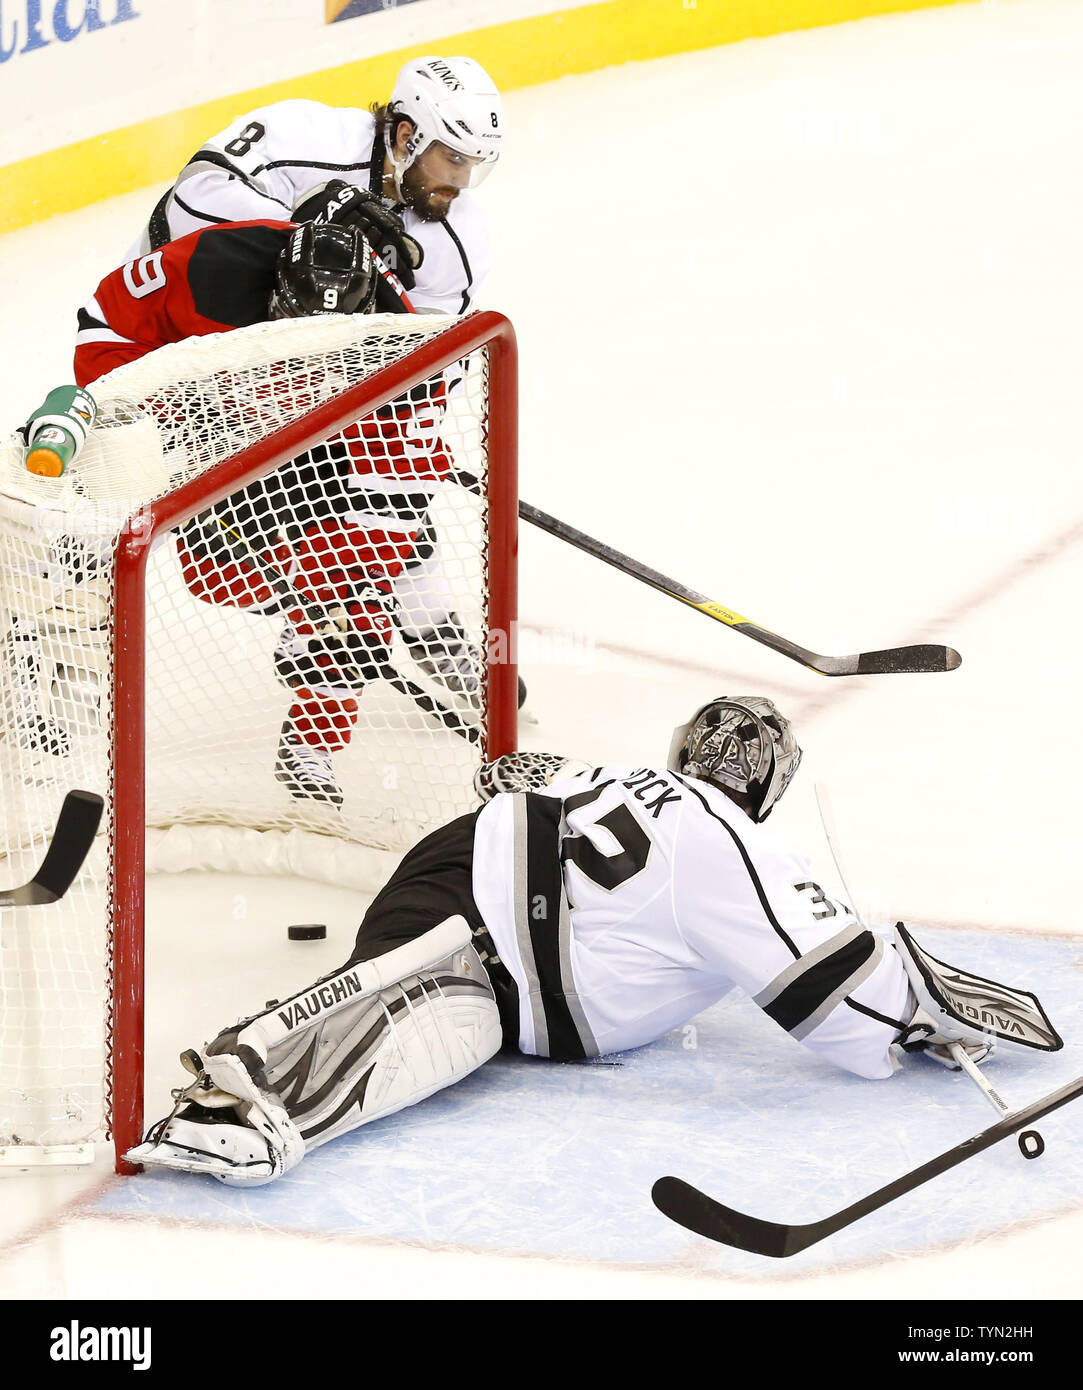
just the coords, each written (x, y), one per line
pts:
(741, 744)
(452, 101)
(324, 268)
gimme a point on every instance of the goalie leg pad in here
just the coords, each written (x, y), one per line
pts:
(955, 1006)
(359, 1044)
(382, 1051)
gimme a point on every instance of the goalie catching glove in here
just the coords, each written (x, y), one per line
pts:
(955, 1007)
(524, 772)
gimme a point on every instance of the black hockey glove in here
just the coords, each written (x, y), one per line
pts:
(349, 206)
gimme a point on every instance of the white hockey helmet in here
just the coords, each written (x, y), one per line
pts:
(453, 101)
(741, 743)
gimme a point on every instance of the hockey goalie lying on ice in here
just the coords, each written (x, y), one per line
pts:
(580, 911)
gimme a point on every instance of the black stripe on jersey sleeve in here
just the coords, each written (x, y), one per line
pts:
(803, 996)
(221, 162)
(466, 265)
(753, 875)
(871, 1013)
(545, 893)
(308, 164)
(89, 321)
(573, 803)
(195, 212)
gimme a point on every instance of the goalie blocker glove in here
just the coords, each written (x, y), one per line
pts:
(955, 1007)
(524, 772)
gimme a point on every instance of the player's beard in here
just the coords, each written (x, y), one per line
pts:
(425, 200)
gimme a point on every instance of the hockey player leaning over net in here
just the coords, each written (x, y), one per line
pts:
(416, 157)
(347, 523)
(580, 911)
(362, 537)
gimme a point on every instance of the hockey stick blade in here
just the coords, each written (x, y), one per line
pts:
(72, 839)
(892, 661)
(897, 660)
(689, 1207)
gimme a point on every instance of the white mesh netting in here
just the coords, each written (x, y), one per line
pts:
(298, 634)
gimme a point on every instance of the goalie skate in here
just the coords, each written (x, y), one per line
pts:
(241, 1136)
(240, 1155)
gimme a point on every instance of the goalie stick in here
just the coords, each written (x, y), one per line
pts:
(276, 580)
(693, 1209)
(697, 1212)
(892, 661)
(76, 827)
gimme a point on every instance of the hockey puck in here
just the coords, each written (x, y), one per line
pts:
(307, 931)
(1031, 1144)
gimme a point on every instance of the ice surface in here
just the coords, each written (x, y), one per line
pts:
(558, 1159)
(799, 325)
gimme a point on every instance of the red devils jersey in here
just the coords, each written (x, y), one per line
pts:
(364, 495)
(209, 281)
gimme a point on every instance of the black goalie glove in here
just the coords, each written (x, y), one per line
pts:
(349, 206)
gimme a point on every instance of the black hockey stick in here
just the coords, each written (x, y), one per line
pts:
(894, 660)
(76, 827)
(276, 580)
(699, 1213)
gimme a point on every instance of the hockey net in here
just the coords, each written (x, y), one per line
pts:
(265, 616)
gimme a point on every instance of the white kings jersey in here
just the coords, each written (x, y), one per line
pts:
(627, 900)
(270, 160)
